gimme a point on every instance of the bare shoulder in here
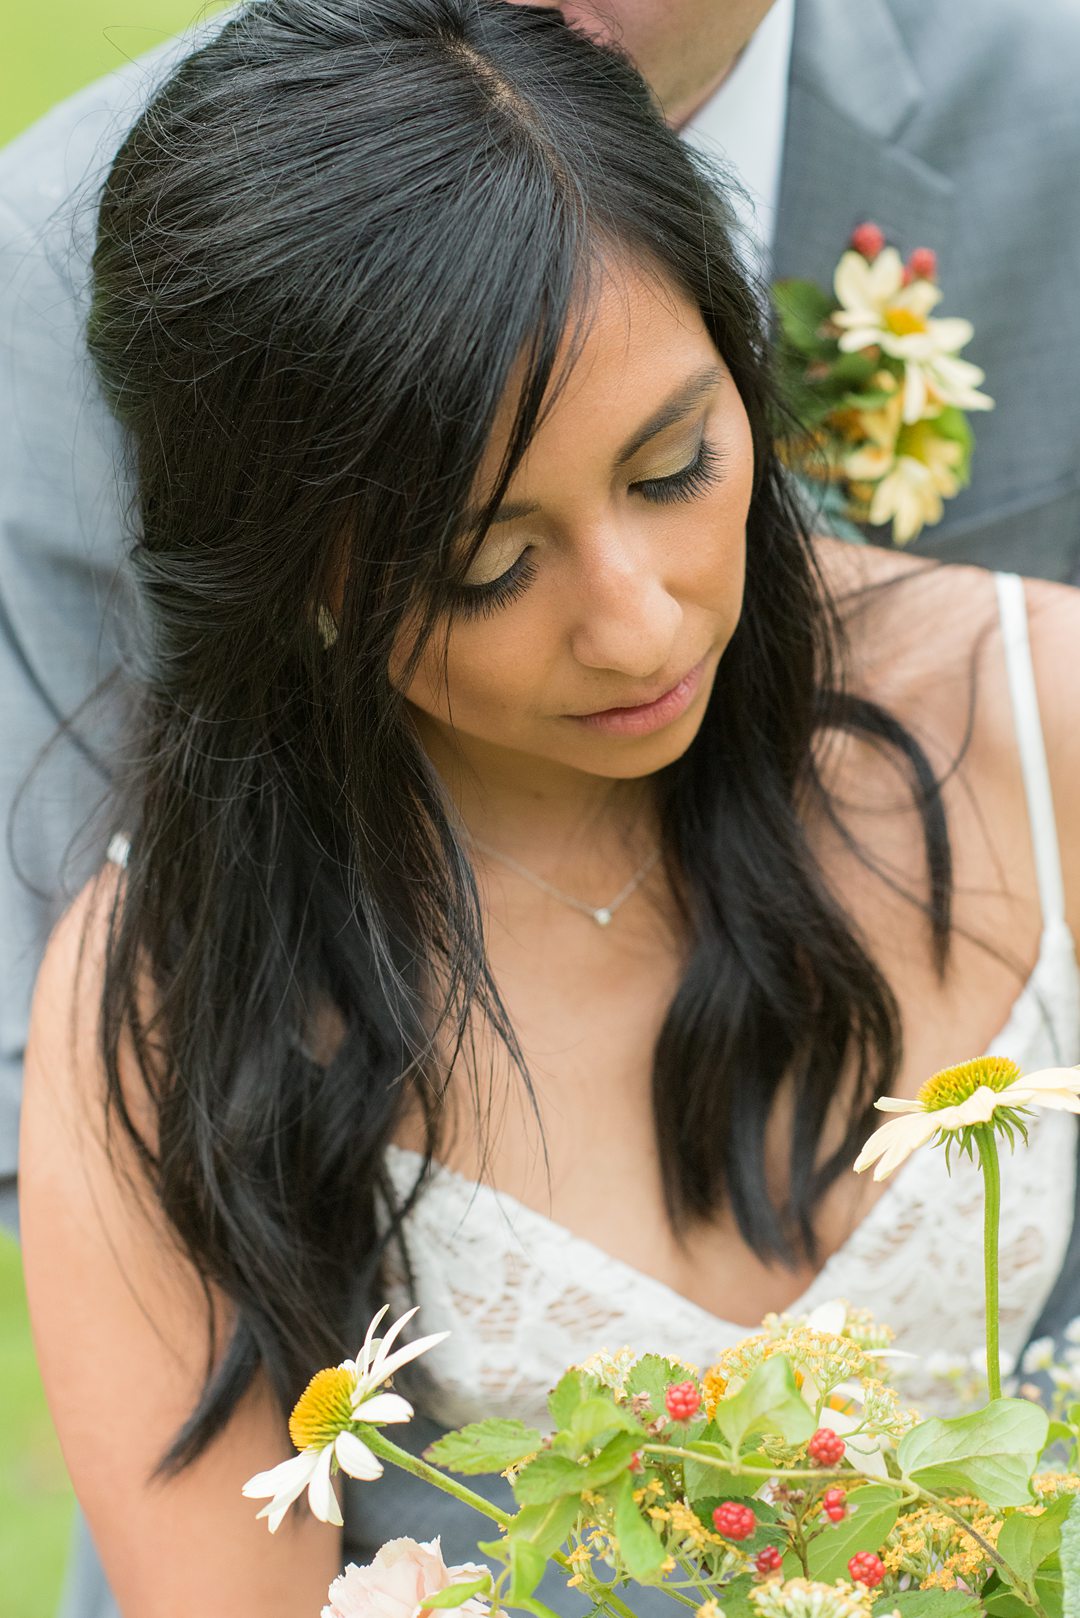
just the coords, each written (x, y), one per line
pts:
(123, 1325)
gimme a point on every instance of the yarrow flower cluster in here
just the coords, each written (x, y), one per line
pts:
(880, 386)
(808, 1598)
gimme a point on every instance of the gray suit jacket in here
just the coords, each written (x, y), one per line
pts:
(953, 127)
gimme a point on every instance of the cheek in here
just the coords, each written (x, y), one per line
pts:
(491, 671)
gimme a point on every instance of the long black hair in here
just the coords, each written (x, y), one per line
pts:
(322, 251)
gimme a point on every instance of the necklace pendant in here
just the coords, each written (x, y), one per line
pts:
(602, 917)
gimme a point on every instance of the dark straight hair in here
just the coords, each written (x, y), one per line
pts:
(327, 246)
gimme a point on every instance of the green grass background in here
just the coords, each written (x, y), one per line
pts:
(47, 50)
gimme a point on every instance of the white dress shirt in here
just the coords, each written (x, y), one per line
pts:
(742, 125)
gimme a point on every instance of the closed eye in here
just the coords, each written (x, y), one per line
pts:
(694, 478)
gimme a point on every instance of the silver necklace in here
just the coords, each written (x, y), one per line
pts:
(603, 915)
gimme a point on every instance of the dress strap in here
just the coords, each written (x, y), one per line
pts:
(1012, 607)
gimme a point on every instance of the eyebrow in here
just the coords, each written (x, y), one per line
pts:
(677, 406)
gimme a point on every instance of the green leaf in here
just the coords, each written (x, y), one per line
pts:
(1070, 1560)
(595, 1417)
(990, 1453)
(929, 1604)
(538, 1609)
(767, 1402)
(455, 1595)
(484, 1446)
(549, 1476)
(1026, 1542)
(570, 1391)
(700, 1481)
(801, 307)
(872, 1511)
(640, 1547)
(547, 1526)
(652, 1375)
(527, 1565)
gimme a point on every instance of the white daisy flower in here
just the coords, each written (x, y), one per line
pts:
(989, 1089)
(324, 1421)
(1038, 1356)
(879, 310)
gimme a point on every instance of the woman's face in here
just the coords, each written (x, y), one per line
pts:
(601, 601)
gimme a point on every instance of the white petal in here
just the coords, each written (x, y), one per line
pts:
(367, 1352)
(285, 1483)
(898, 1104)
(952, 334)
(858, 337)
(410, 1351)
(383, 1407)
(355, 1458)
(851, 282)
(894, 1142)
(382, 1347)
(885, 277)
(914, 394)
(1053, 1078)
(279, 1478)
(978, 1108)
(830, 1317)
(321, 1497)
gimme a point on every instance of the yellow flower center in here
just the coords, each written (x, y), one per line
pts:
(956, 1084)
(904, 322)
(323, 1410)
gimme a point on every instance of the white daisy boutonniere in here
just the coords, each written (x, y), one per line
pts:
(878, 385)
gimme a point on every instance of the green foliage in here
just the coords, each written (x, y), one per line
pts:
(1027, 1542)
(484, 1446)
(642, 1549)
(990, 1453)
(455, 1595)
(651, 1376)
(801, 308)
(1070, 1561)
(550, 1475)
(872, 1511)
(568, 1393)
(767, 1402)
(929, 1604)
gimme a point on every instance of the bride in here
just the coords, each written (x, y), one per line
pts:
(537, 852)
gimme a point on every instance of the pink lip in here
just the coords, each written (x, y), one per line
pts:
(647, 716)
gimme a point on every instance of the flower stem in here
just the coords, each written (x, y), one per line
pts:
(986, 1141)
(388, 1451)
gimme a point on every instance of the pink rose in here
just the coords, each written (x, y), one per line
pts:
(395, 1583)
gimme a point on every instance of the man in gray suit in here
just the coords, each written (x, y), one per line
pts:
(953, 128)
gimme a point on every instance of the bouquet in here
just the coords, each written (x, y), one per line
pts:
(879, 389)
(787, 1480)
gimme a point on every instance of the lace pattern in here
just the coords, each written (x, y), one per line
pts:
(523, 1297)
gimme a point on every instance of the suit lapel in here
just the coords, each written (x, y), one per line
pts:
(853, 90)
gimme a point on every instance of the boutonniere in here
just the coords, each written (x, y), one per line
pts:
(878, 388)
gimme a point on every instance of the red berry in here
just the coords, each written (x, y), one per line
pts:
(635, 1463)
(868, 239)
(923, 264)
(866, 1568)
(734, 1521)
(825, 1448)
(769, 1560)
(834, 1504)
(683, 1400)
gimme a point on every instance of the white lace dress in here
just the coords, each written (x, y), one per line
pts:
(523, 1297)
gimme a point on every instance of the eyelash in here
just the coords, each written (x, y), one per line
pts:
(483, 600)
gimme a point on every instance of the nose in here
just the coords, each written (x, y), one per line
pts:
(624, 615)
